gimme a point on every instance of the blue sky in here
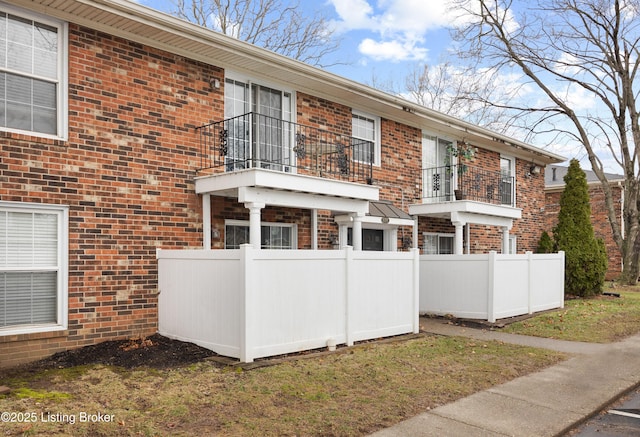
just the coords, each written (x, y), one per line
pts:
(388, 38)
(385, 38)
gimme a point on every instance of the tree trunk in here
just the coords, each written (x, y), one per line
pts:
(631, 261)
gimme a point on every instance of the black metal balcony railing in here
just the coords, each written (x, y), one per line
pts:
(258, 141)
(462, 182)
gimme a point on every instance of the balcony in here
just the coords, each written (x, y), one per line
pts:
(468, 195)
(256, 141)
(462, 182)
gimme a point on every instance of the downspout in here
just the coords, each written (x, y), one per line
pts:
(206, 221)
(467, 231)
(314, 229)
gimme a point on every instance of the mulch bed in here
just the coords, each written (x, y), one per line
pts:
(154, 351)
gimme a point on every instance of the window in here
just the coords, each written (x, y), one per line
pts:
(438, 244)
(372, 239)
(265, 139)
(273, 235)
(506, 183)
(33, 268)
(367, 128)
(32, 74)
(513, 244)
(438, 180)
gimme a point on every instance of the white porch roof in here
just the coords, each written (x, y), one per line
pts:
(381, 214)
(468, 211)
(462, 212)
(289, 190)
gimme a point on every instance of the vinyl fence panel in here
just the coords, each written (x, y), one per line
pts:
(491, 286)
(199, 298)
(250, 303)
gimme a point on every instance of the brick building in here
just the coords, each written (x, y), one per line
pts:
(554, 185)
(125, 130)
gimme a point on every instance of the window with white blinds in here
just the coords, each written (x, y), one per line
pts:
(32, 73)
(32, 267)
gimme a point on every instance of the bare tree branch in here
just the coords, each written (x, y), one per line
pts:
(271, 24)
(563, 48)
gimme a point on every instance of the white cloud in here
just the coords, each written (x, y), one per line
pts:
(394, 30)
(353, 14)
(392, 50)
(568, 64)
(577, 98)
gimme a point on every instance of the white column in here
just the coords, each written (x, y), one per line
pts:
(393, 240)
(468, 237)
(343, 233)
(457, 240)
(254, 223)
(357, 231)
(314, 229)
(415, 233)
(206, 221)
(505, 240)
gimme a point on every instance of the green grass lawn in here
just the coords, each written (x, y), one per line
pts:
(351, 392)
(602, 319)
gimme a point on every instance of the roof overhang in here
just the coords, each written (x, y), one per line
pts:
(148, 26)
(467, 211)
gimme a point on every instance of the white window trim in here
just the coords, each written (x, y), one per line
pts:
(438, 234)
(292, 226)
(63, 72)
(452, 160)
(512, 160)
(252, 80)
(377, 143)
(62, 298)
(389, 233)
(513, 244)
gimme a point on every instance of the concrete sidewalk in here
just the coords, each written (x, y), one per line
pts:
(546, 403)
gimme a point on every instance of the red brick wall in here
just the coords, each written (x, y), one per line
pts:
(126, 173)
(224, 208)
(323, 114)
(529, 197)
(398, 174)
(599, 220)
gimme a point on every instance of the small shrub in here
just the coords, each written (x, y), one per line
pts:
(545, 244)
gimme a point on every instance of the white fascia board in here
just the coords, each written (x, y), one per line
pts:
(290, 199)
(285, 181)
(465, 206)
(481, 219)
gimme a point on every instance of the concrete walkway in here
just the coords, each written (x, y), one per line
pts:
(546, 403)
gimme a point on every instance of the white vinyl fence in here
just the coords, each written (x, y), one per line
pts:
(249, 303)
(491, 286)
